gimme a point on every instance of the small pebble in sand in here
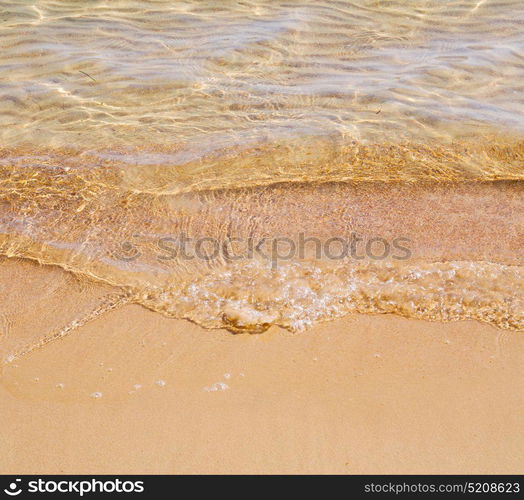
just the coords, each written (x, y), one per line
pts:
(160, 383)
(96, 395)
(60, 386)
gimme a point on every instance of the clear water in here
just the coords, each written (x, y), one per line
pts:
(122, 123)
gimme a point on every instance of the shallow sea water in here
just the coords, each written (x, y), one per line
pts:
(157, 119)
(200, 94)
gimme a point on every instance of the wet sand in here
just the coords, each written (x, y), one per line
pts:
(364, 394)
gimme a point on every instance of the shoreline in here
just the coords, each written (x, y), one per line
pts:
(461, 249)
(135, 392)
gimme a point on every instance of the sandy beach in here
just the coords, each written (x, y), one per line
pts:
(135, 392)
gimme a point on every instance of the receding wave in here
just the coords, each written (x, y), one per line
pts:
(288, 254)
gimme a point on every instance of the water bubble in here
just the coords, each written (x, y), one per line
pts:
(217, 386)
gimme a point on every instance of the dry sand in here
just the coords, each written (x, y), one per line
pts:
(365, 394)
